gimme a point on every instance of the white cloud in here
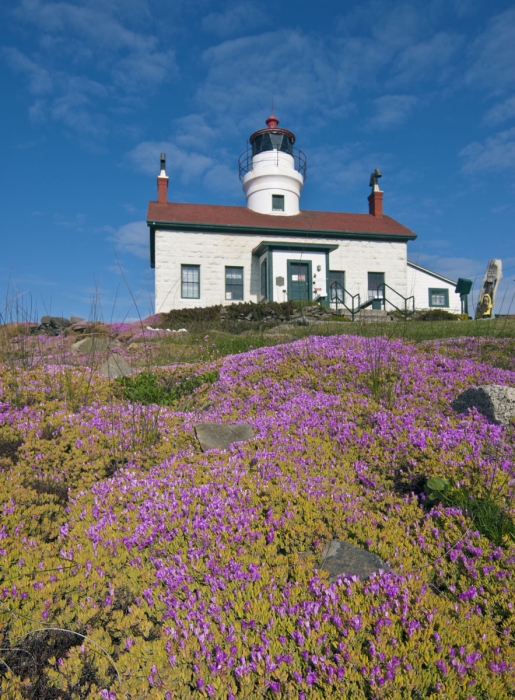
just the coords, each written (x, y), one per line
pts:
(38, 78)
(426, 60)
(236, 19)
(495, 154)
(132, 238)
(184, 165)
(451, 267)
(89, 39)
(342, 168)
(300, 71)
(392, 110)
(494, 54)
(501, 112)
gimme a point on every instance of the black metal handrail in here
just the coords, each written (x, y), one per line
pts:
(338, 295)
(405, 311)
(299, 161)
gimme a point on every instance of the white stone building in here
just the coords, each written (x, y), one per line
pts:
(272, 250)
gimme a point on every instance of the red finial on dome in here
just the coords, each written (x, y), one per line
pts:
(272, 122)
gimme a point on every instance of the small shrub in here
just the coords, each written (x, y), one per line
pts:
(490, 518)
(232, 312)
(437, 315)
(147, 389)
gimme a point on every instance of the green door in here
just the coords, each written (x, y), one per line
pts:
(299, 281)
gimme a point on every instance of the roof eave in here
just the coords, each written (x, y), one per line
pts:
(260, 230)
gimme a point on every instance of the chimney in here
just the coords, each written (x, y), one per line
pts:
(162, 182)
(375, 198)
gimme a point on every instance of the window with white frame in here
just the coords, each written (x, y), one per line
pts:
(234, 283)
(190, 281)
(439, 298)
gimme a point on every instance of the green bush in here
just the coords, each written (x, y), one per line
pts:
(231, 313)
(437, 315)
(147, 389)
(490, 518)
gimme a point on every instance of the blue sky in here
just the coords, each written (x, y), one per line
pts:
(95, 89)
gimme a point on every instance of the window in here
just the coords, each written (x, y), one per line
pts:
(264, 281)
(190, 281)
(439, 297)
(375, 282)
(336, 286)
(278, 202)
(234, 283)
(376, 289)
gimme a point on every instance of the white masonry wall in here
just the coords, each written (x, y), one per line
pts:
(214, 251)
(421, 281)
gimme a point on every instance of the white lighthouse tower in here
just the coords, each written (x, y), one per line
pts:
(273, 171)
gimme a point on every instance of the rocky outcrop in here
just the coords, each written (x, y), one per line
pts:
(305, 316)
(218, 436)
(342, 558)
(115, 366)
(494, 401)
(54, 325)
(94, 344)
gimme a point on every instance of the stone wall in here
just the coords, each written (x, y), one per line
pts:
(214, 251)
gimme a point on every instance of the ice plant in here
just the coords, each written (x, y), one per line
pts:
(198, 573)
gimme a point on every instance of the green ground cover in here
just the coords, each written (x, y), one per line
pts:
(133, 565)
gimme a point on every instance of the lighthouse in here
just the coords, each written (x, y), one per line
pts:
(273, 171)
(272, 251)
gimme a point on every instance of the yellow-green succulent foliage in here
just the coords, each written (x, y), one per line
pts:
(133, 565)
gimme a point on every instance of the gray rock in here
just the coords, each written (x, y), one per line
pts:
(276, 330)
(76, 319)
(214, 435)
(341, 557)
(116, 366)
(492, 400)
(54, 321)
(93, 344)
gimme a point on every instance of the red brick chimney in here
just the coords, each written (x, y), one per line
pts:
(375, 203)
(162, 182)
(375, 198)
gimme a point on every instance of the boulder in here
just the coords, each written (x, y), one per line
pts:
(116, 366)
(93, 344)
(495, 402)
(76, 319)
(50, 325)
(216, 436)
(341, 557)
(54, 321)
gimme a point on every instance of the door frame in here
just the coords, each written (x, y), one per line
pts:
(310, 278)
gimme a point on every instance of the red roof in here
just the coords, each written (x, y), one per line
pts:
(242, 217)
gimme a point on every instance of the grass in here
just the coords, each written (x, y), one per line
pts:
(223, 340)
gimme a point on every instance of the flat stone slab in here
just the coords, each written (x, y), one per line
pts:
(494, 401)
(341, 557)
(216, 436)
(116, 366)
(95, 343)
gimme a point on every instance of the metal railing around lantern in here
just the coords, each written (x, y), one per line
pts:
(300, 162)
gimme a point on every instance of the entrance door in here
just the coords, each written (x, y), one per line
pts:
(299, 281)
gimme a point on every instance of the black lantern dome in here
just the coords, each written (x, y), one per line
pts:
(272, 138)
